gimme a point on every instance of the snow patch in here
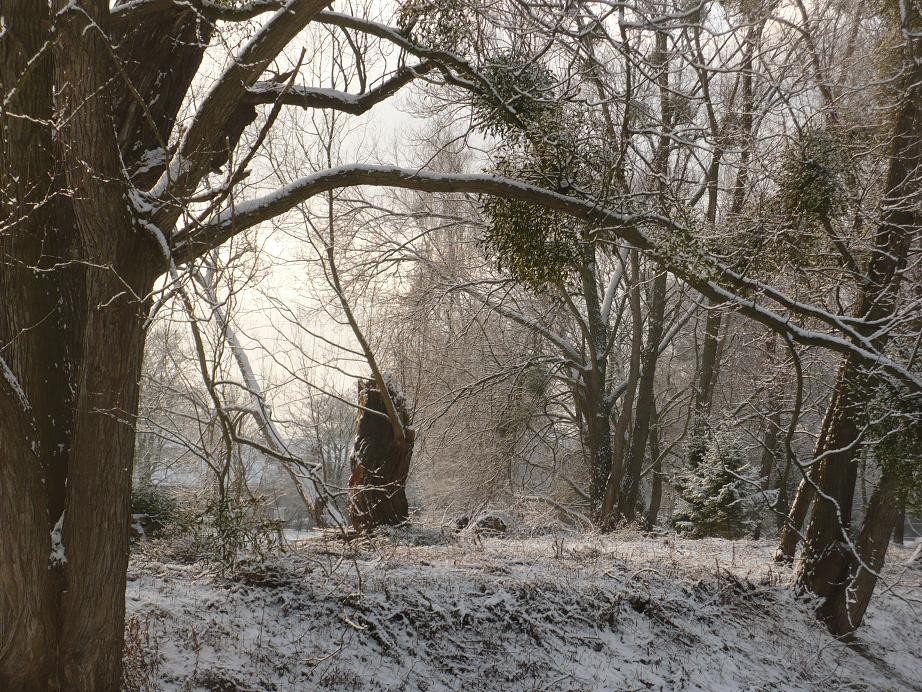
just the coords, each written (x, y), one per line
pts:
(13, 384)
(429, 610)
(58, 555)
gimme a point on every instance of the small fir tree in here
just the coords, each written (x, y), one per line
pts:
(717, 489)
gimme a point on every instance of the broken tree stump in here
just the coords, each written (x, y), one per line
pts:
(380, 461)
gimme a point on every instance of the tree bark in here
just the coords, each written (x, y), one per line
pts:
(594, 402)
(619, 438)
(380, 462)
(704, 388)
(806, 490)
(797, 514)
(76, 269)
(844, 610)
(769, 458)
(899, 529)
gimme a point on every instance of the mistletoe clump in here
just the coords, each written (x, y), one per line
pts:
(813, 177)
(446, 25)
(519, 93)
(536, 246)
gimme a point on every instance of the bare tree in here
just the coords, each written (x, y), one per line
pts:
(113, 172)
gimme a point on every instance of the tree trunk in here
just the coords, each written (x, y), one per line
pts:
(704, 388)
(619, 438)
(772, 420)
(99, 476)
(598, 440)
(656, 480)
(380, 464)
(630, 486)
(768, 462)
(797, 514)
(594, 402)
(806, 489)
(824, 550)
(75, 272)
(899, 529)
(844, 611)
(65, 465)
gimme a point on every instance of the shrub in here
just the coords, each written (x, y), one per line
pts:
(230, 527)
(153, 509)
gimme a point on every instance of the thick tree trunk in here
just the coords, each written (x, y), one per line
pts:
(31, 353)
(704, 386)
(844, 610)
(75, 273)
(380, 464)
(824, 549)
(99, 476)
(598, 441)
(594, 404)
(710, 352)
(64, 628)
(620, 438)
(806, 490)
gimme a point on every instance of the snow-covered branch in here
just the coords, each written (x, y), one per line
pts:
(729, 286)
(203, 139)
(313, 97)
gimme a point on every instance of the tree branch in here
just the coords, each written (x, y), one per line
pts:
(134, 10)
(202, 140)
(626, 228)
(315, 97)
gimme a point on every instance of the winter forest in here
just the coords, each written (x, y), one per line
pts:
(460, 344)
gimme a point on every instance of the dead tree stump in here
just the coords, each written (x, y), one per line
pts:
(379, 461)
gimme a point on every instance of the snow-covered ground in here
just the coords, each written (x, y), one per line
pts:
(423, 609)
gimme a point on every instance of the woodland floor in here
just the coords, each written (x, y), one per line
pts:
(424, 609)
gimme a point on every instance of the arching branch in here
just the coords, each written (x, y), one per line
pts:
(134, 10)
(713, 280)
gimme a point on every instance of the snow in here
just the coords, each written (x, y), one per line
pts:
(293, 536)
(431, 610)
(58, 555)
(151, 159)
(14, 385)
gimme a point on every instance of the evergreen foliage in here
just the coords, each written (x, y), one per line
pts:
(522, 95)
(813, 176)
(545, 139)
(717, 489)
(446, 25)
(153, 508)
